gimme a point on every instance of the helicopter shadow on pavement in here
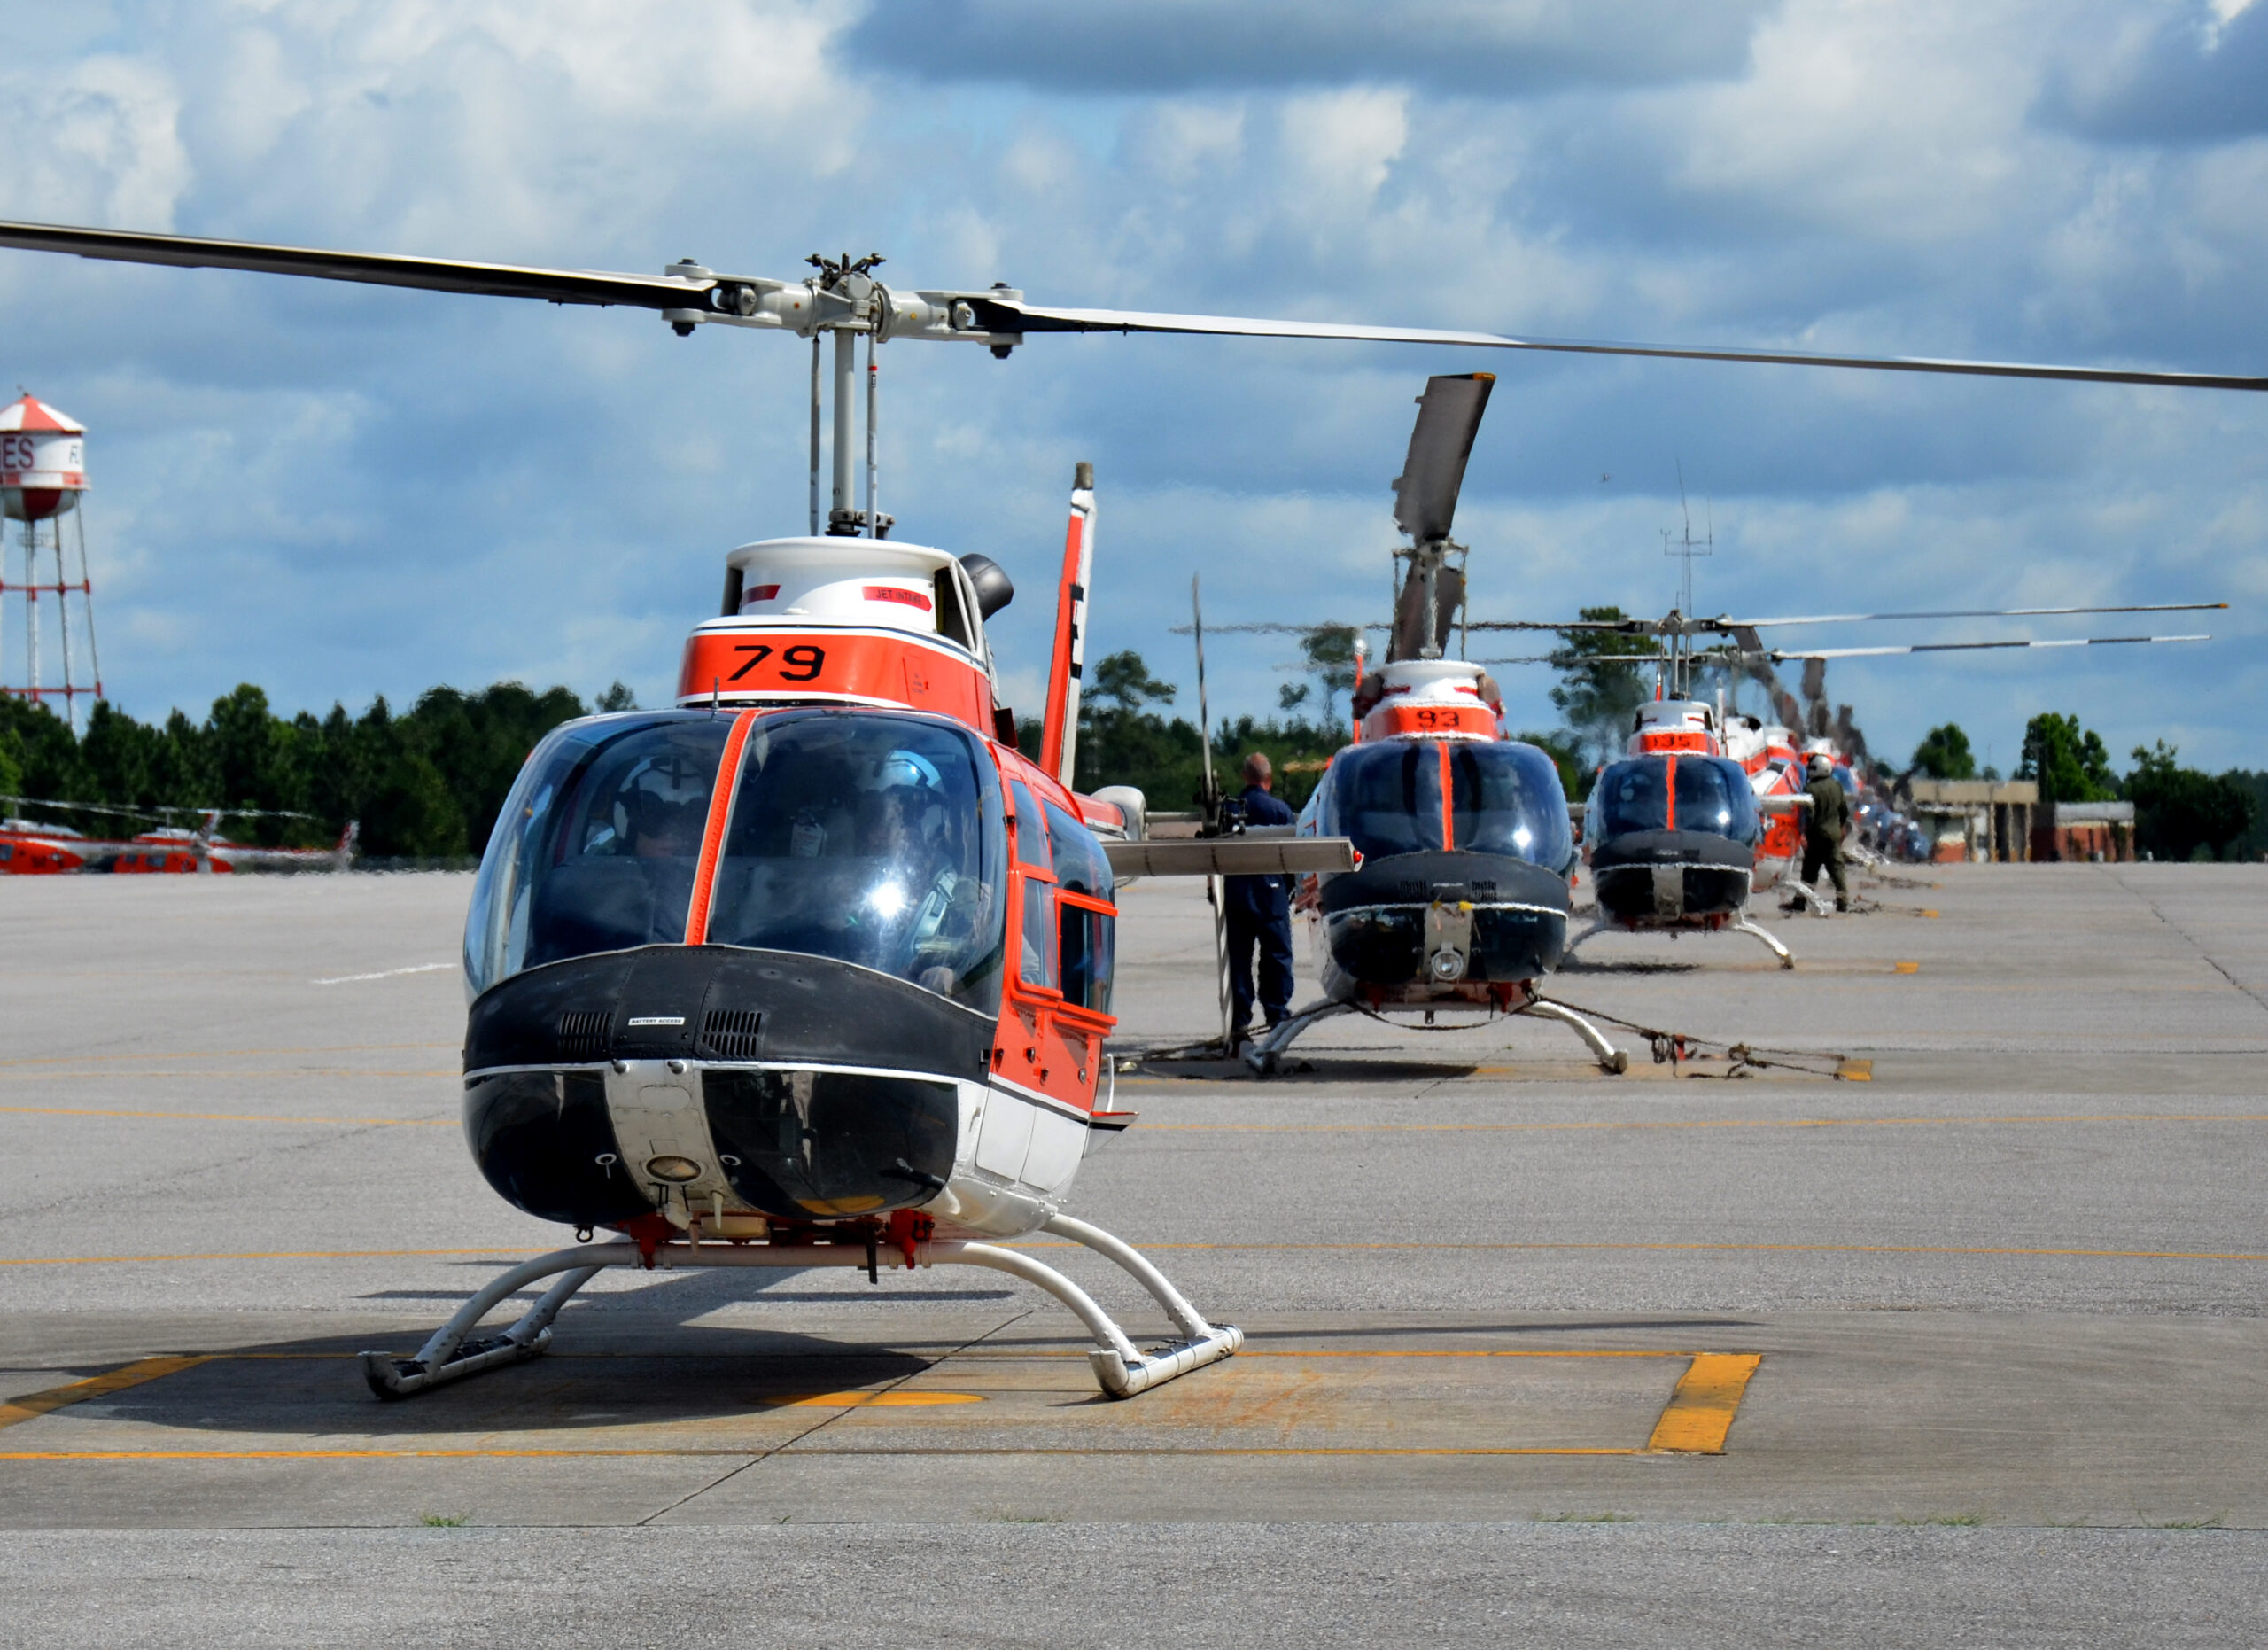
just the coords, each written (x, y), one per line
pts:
(631, 1358)
(1313, 1069)
(1579, 966)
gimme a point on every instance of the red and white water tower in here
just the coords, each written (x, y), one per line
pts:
(43, 473)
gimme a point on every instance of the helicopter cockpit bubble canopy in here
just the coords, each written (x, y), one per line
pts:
(1709, 794)
(1504, 798)
(868, 837)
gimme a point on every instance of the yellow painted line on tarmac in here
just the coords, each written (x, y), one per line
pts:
(751, 1453)
(1701, 1410)
(1461, 1352)
(281, 1254)
(895, 1399)
(218, 1053)
(225, 1116)
(1138, 1451)
(34, 1405)
(1737, 1248)
(268, 1072)
(1704, 1123)
(1906, 967)
(344, 1455)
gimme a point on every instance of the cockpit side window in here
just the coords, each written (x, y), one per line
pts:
(1632, 795)
(1388, 797)
(1031, 829)
(1081, 866)
(597, 847)
(874, 839)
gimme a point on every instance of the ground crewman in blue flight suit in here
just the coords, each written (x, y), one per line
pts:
(1259, 914)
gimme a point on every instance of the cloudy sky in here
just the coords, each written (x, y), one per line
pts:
(337, 492)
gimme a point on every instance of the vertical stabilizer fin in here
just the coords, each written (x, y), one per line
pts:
(1059, 737)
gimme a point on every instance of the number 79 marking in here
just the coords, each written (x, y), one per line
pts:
(807, 661)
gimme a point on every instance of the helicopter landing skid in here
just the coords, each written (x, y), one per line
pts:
(1748, 925)
(1264, 1054)
(1122, 1369)
(1744, 926)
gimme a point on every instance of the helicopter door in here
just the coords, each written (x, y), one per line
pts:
(1049, 1045)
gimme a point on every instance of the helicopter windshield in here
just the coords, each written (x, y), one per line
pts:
(1713, 795)
(871, 838)
(1504, 799)
(1507, 798)
(597, 847)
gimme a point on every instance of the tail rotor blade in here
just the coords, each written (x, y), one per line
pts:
(1216, 890)
(1204, 713)
(1449, 417)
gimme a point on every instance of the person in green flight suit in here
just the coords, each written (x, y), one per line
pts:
(1825, 821)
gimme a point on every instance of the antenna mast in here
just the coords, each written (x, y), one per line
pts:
(1680, 638)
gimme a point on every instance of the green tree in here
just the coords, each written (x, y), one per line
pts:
(2180, 814)
(476, 742)
(616, 697)
(41, 748)
(1328, 651)
(1944, 754)
(1124, 683)
(2254, 843)
(2069, 761)
(1600, 689)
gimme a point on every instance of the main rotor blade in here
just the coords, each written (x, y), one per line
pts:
(1272, 629)
(1969, 612)
(1449, 417)
(1028, 317)
(1000, 315)
(439, 274)
(1618, 626)
(1780, 658)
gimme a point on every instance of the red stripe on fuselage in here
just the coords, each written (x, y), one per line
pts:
(712, 839)
(1449, 818)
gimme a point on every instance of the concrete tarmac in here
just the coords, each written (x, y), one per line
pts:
(1968, 1351)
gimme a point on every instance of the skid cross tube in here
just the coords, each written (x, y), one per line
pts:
(1121, 1368)
(1264, 1055)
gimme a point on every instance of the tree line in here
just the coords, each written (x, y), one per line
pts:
(427, 783)
(424, 784)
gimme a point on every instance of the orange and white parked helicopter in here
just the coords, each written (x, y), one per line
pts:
(34, 848)
(1459, 903)
(814, 970)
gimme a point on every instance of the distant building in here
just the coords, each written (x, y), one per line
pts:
(1974, 819)
(2083, 831)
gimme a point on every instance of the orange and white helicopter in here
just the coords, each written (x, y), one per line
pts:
(34, 848)
(1459, 902)
(814, 970)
